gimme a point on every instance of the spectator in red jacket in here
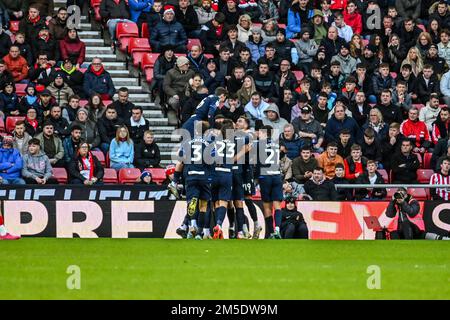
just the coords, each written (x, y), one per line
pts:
(72, 48)
(338, 5)
(416, 131)
(353, 18)
(355, 165)
(441, 127)
(16, 64)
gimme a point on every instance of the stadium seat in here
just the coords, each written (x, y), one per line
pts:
(108, 162)
(418, 106)
(209, 56)
(60, 174)
(129, 176)
(145, 33)
(83, 103)
(107, 102)
(14, 26)
(257, 195)
(365, 42)
(390, 193)
(421, 27)
(427, 160)
(193, 42)
(95, 6)
(158, 174)
(282, 25)
(83, 70)
(394, 75)
(299, 75)
(2, 125)
(100, 156)
(11, 122)
(137, 48)
(148, 74)
(384, 174)
(419, 193)
(148, 60)
(110, 176)
(20, 89)
(424, 175)
(125, 31)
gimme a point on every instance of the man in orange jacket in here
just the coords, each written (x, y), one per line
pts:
(16, 64)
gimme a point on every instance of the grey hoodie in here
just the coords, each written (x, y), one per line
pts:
(277, 125)
(36, 166)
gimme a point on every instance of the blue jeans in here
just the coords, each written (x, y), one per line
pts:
(112, 24)
(119, 165)
(13, 181)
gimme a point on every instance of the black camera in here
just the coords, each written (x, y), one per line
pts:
(398, 195)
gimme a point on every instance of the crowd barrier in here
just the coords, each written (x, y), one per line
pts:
(145, 212)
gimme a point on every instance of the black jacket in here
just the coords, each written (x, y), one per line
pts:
(325, 191)
(265, 84)
(41, 75)
(423, 90)
(209, 38)
(376, 193)
(406, 173)
(31, 30)
(50, 47)
(360, 118)
(147, 155)
(439, 150)
(26, 52)
(373, 151)
(76, 165)
(283, 49)
(188, 108)
(61, 127)
(5, 44)
(110, 10)
(343, 194)
(189, 20)
(123, 110)
(391, 113)
(107, 128)
(75, 81)
(153, 18)
(137, 132)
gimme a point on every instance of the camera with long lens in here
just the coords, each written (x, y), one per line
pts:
(398, 195)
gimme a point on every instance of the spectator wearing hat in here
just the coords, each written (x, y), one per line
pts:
(318, 26)
(42, 72)
(439, 64)
(121, 150)
(21, 137)
(32, 23)
(147, 154)
(114, 11)
(51, 145)
(309, 129)
(60, 90)
(211, 75)
(45, 43)
(45, 103)
(205, 12)
(85, 168)
(232, 12)
(60, 124)
(249, 7)
(256, 44)
(213, 33)
(302, 100)
(16, 64)
(298, 15)
(232, 41)
(306, 50)
(71, 144)
(72, 48)
(98, 80)
(37, 168)
(370, 59)
(174, 85)
(168, 32)
(347, 62)
(186, 15)
(146, 178)
(293, 225)
(73, 77)
(30, 100)
(284, 48)
(9, 101)
(89, 129)
(11, 163)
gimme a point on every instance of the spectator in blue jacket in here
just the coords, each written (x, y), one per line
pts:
(294, 20)
(9, 101)
(139, 10)
(121, 150)
(98, 80)
(168, 32)
(71, 144)
(339, 121)
(10, 163)
(256, 44)
(290, 142)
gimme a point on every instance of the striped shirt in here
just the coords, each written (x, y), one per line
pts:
(439, 178)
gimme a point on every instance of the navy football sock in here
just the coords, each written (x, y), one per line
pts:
(269, 226)
(240, 218)
(231, 217)
(278, 218)
(220, 215)
(251, 209)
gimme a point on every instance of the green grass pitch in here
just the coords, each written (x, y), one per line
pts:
(35, 268)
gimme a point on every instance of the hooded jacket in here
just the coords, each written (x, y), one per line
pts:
(257, 50)
(61, 94)
(36, 166)
(98, 82)
(429, 116)
(89, 132)
(11, 163)
(277, 124)
(348, 63)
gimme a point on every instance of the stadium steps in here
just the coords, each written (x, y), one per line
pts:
(90, 34)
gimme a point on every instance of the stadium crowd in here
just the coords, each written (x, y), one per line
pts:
(358, 89)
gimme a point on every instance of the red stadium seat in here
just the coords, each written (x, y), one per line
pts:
(100, 156)
(365, 42)
(418, 106)
(158, 174)
(390, 193)
(125, 31)
(108, 162)
(193, 42)
(427, 160)
(257, 195)
(110, 176)
(282, 25)
(421, 27)
(148, 60)
(209, 56)
(299, 75)
(11, 122)
(424, 175)
(384, 174)
(394, 75)
(83, 70)
(107, 102)
(14, 26)
(2, 125)
(60, 174)
(83, 103)
(145, 33)
(138, 45)
(95, 5)
(148, 74)
(129, 176)
(419, 193)
(20, 89)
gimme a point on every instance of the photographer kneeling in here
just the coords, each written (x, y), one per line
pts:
(293, 226)
(409, 224)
